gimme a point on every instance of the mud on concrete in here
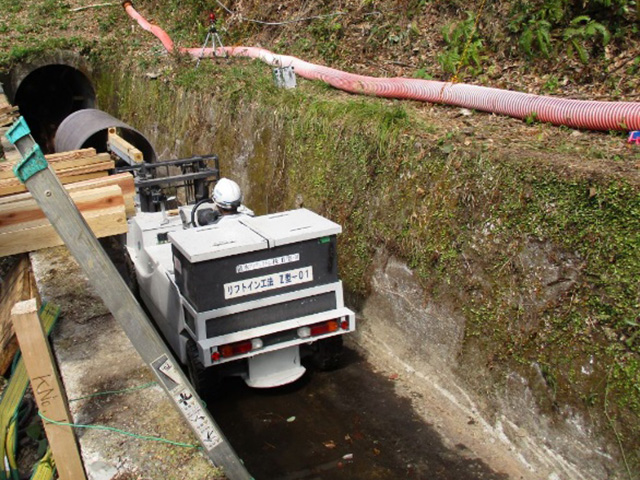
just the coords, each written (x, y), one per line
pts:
(94, 356)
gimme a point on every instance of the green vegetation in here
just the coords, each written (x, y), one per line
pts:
(463, 47)
(539, 254)
(583, 28)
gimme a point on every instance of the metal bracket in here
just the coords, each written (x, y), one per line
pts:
(18, 130)
(33, 160)
(32, 163)
(284, 77)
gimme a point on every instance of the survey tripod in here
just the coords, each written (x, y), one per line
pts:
(213, 37)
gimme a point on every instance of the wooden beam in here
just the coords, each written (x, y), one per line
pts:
(37, 234)
(123, 149)
(18, 285)
(124, 180)
(47, 389)
(61, 161)
(26, 213)
(10, 186)
(105, 223)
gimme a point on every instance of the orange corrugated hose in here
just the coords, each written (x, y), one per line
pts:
(586, 114)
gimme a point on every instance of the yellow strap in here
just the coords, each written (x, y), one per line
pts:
(468, 42)
(45, 468)
(11, 443)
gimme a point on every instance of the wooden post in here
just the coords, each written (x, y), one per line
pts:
(122, 148)
(47, 389)
(56, 204)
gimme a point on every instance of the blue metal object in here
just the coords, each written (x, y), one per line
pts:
(31, 163)
(18, 130)
(634, 137)
(33, 160)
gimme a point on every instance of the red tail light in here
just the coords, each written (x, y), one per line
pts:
(233, 349)
(324, 327)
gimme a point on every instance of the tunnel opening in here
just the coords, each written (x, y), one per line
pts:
(49, 94)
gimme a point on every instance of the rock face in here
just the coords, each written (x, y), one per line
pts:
(400, 314)
(401, 328)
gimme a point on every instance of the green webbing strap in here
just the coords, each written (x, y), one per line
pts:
(12, 397)
(45, 468)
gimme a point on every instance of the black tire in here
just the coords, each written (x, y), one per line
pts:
(327, 354)
(205, 381)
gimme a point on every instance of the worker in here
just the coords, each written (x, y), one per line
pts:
(227, 198)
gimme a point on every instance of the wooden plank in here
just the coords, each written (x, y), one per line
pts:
(62, 164)
(123, 149)
(55, 157)
(104, 223)
(8, 109)
(95, 167)
(9, 187)
(71, 155)
(11, 155)
(24, 213)
(47, 389)
(124, 180)
(19, 284)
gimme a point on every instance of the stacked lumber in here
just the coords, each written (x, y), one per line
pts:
(105, 201)
(24, 227)
(18, 285)
(8, 113)
(123, 180)
(70, 167)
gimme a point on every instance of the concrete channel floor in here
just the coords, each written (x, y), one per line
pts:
(94, 356)
(348, 423)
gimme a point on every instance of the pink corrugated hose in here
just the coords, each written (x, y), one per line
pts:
(585, 114)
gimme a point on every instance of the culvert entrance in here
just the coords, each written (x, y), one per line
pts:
(49, 94)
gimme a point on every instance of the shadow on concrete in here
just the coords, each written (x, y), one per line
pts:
(344, 424)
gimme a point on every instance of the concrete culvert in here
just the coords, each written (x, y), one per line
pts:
(49, 94)
(90, 127)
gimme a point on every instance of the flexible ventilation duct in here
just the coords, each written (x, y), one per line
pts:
(591, 115)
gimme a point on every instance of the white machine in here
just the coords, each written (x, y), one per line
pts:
(249, 296)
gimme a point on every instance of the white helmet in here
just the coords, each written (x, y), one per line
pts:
(227, 194)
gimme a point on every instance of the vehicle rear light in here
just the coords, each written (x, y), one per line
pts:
(324, 327)
(215, 356)
(344, 324)
(304, 332)
(233, 349)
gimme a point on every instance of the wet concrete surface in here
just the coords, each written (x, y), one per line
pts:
(344, 424)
